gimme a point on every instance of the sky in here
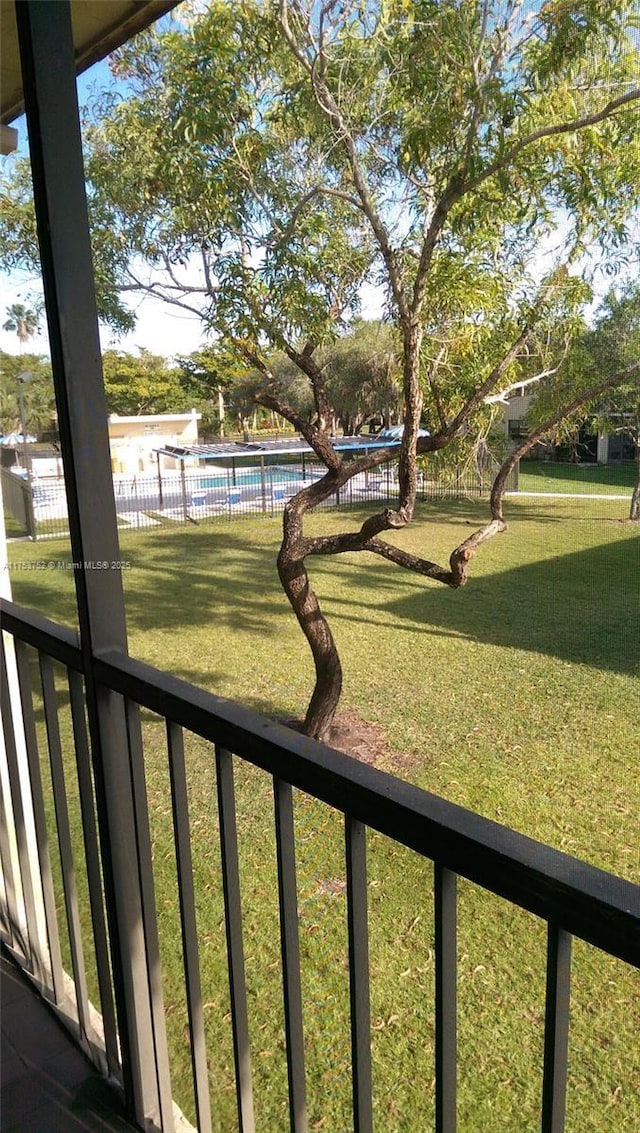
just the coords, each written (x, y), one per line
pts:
(158, 328)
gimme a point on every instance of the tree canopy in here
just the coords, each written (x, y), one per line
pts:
(611, 347)
(270, 160)
(142, 383)
(614, 345)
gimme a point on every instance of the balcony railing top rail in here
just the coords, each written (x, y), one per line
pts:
(579, 898)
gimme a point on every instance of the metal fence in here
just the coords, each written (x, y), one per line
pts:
(570, 897)
(17, 498)
(194, 495)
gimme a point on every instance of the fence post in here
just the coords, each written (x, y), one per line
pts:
(263, 486)
(183, 484)
(28, 504)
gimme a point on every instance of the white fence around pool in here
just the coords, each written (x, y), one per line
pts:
(38, 509)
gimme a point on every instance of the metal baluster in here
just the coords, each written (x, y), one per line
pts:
(556, 1030)
(42, 837)
(94, 873)
(180, 805)
(287, 893)
(64, 840)
(235, 950)
(15, 803)
(355, 839)
(446, 1005)
(9, 904)
(149, 917)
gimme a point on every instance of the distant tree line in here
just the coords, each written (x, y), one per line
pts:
(362, 370)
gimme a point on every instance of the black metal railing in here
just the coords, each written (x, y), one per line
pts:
(573, 898)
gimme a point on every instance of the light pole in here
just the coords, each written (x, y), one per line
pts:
(23, 379)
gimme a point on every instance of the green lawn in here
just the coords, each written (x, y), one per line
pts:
(517, 696)
(599, 479)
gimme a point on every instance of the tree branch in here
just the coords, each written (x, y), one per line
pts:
(364, 540)
(497, 492)
(462, 555)
(503, 396)
(328, 106)
(451, 194)
(279, 235)
(457, 187)
(314, 436)
(569, 127)
(494, 377)
(162, 292)
(435, 388)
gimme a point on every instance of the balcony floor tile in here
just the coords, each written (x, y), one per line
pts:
(48, 1086)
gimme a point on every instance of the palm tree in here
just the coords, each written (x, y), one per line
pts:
(23, 321)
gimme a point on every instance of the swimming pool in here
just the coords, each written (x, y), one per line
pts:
(225, 478)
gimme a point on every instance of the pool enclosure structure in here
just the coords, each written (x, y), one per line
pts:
(97, 765)
(258, 477)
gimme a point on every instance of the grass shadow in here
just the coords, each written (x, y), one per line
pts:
(582, 607)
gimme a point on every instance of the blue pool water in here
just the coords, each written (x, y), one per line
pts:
(252, 476)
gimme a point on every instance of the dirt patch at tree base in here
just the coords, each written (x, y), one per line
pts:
(366, 742)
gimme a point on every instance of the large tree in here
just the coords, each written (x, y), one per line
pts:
(270, 159)
(221, 385)
(363, 376)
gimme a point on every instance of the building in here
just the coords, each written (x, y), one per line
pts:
(134, 440)
(601, 448)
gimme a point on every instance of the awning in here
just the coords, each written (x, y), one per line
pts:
(250, 450)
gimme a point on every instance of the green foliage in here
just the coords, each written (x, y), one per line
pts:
(265, 163)
(452, 120)
(611, 348)
(38, 395)
(220, 385)
(22, 321)
(142, 384)
(361, 369)
(363, 375)
(205, 371)
(614, 346)
(292, 385)
(17, 216)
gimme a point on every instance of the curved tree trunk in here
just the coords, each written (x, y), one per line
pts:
(296, 585)
(328, 686)
(296, 547)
